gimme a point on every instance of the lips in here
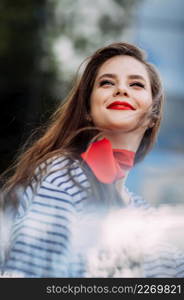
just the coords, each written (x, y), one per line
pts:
(121, 105)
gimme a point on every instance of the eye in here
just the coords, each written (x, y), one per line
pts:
(106, 82)
(139, 84)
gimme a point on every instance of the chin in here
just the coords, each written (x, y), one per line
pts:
(122, 127)
(118, 126)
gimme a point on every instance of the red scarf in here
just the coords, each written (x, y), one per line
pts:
(108, 164)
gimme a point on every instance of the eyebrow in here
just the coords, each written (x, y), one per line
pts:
(133, 76)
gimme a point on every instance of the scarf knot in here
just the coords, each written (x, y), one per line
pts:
(108, 164)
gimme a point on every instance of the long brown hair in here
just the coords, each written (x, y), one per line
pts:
(69, 131)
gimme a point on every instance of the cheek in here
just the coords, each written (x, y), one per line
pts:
(94, 104)
(145, 100)
(97, 108)
(149, 101)
(96, 100)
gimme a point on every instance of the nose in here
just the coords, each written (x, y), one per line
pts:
(122, 91)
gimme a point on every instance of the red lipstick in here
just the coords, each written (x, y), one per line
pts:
(121, 105)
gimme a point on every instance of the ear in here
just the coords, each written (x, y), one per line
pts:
(151, 124)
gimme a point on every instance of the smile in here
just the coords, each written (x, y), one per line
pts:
(119, 105)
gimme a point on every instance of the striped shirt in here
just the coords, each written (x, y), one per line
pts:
(45, 235)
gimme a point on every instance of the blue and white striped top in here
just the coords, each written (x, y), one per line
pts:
(46, 223)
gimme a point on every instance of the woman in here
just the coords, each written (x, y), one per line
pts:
(109, 122)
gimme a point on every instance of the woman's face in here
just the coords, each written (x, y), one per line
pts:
(121, 94)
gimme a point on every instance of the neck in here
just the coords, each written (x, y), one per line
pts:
(121, 182)
(120, 188)
(129, 141)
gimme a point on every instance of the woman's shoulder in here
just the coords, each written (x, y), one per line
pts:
(65, 173)
(63, 180)
(135, 200)
(163, 259)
